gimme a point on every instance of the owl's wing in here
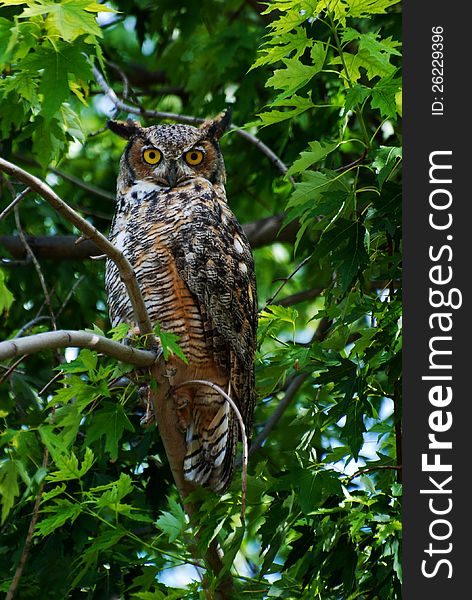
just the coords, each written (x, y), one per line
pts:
(213, 257)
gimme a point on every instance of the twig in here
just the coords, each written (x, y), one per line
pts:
(91, 189)
(285, 281)
(12, 205)
(70, 294)
(78, 339)
(279, 164)
(50, 382)
(370, 469)
(300, 297)
(242, 428)
(31, 323)
(123, 77)
(290, 393)
(96, 191)
(10, 369)
(29, 535)
(126, 271)
(37, 266)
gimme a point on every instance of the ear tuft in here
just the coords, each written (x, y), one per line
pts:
(124, 129)
(217, 126)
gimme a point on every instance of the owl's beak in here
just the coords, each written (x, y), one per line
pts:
(172, 174)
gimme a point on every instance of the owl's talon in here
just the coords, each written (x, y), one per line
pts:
(182, 408)
(144, 393)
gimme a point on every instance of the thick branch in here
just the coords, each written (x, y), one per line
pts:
(63, 247)
(76, 339)
(127, 274)
(173, 440)
(57, 247)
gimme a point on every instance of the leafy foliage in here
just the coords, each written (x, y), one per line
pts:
(319, 82)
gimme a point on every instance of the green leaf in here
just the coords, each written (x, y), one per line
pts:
(352, 63)
(354, 427)
(8, 485)
(89, 359)
(278, 48)
(169, 344)
(111, 497)
(362, 8)
(63, 510)
(342, 9)
(292, 14)
(69, 467)
(57, 491)
(48, 140)
(269, 556)
(275, 313)
(310, 491)
(294, 77)
(384, 96)
(106, 539)
(232, 549)
(386, 158)
(69, 18)
(345, 242)
(296, 105)
(355, 96)
(119, 332)
(6, 297)
(66, 462)
(109, 420)
(173, 523)
(318, 151)
(68, 418)
(310, 189)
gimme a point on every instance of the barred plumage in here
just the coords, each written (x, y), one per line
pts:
(196, 272)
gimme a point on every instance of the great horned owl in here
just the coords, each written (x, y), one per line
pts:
(195, 269)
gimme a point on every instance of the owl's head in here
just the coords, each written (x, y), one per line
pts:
(171, 155)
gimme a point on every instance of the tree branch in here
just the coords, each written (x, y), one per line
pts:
(286, 280)
(63, 247)
(89, 231)
(37, 266)
(397, 468)
(173, 440)
(299, 297)
(76, 339)
(29, 536)
(14, 202)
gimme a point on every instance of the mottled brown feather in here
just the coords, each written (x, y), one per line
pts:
(196, 272)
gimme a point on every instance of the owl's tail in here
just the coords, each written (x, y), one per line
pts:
(211, 443)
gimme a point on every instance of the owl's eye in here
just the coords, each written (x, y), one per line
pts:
(193, 157)
(152, 156)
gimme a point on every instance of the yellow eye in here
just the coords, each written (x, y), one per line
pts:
(152, 156)
(194, 157)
